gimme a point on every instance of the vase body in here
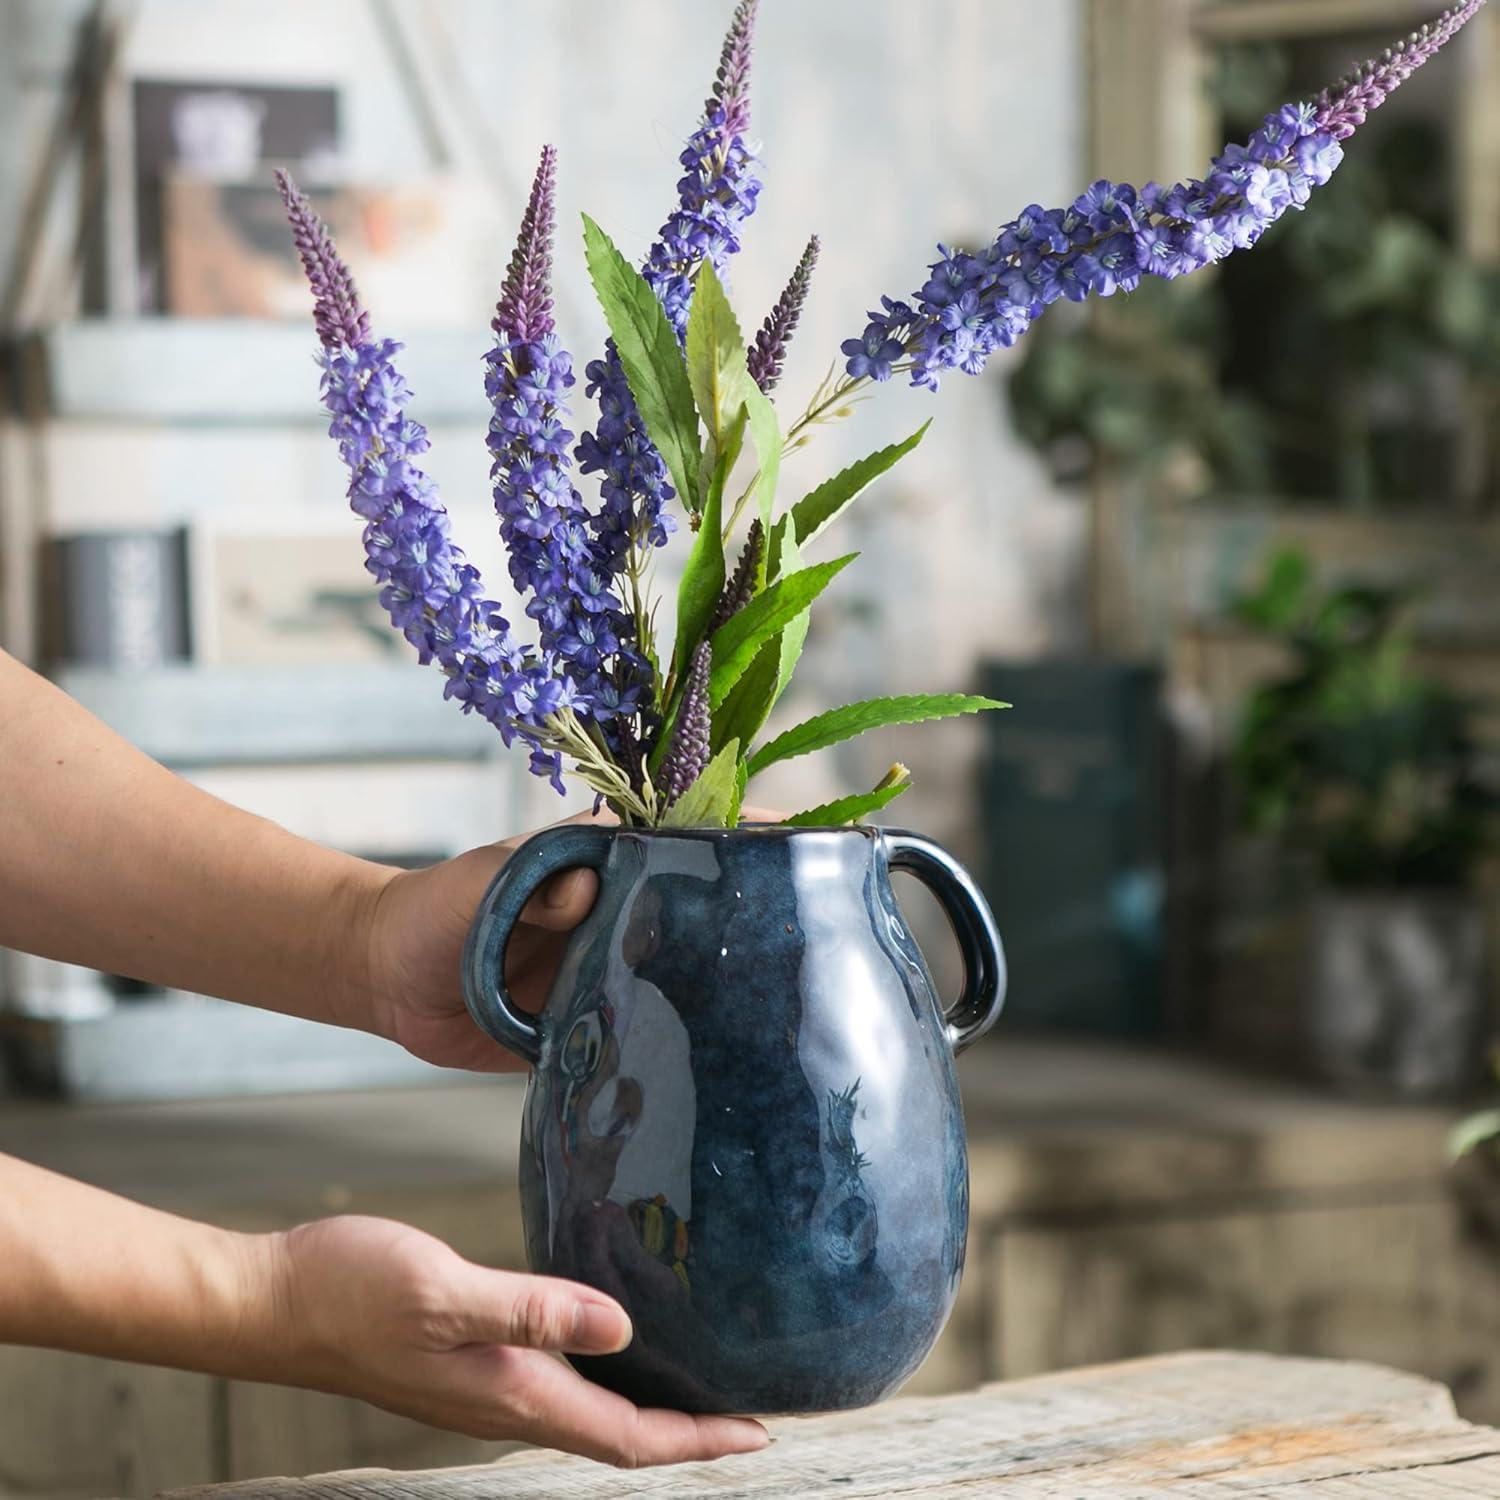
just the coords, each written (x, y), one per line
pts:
(743, 1120)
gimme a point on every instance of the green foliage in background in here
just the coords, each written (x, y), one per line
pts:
(1353, 752)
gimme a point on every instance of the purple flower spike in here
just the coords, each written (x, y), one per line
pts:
(1112, 235)
(525, 311)
(543, 521)
(337, 315)
(431, 592)
(740, 588)
(1342, 109)
(716, 194)
(689, 751)
(769, 350)
(731, 91)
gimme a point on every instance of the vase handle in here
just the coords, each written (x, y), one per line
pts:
(973, 926)
(568, 846)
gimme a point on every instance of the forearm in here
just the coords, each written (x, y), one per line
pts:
(109, 860)
(96, 1274)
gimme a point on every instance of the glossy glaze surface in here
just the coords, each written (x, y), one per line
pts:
(744, 1119)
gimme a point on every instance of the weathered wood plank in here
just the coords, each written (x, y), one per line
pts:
(1204, 1425)
(272, 1429)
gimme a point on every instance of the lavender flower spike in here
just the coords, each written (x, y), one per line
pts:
(1113, 234)
(769, 349)
(1344, 107)
(731, 90)
(337, 315)
(543, 522)
(716, 194)
(432, 593)
(525, 310)
(688, 753)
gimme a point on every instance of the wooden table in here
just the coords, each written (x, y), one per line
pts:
(1200, 1425)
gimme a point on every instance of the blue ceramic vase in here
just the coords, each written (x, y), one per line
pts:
(743, 1118)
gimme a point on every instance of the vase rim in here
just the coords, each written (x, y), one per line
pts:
(751, 830)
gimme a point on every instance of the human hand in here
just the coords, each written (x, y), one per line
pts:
(414, 937)
(377, 1310)
(412, 940)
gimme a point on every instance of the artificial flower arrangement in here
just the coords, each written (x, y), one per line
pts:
(666, 732)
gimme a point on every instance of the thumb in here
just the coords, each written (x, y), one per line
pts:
(539, 1312)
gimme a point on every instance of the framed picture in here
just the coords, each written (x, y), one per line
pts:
(221, 132)
(226, 251)
(287, 592)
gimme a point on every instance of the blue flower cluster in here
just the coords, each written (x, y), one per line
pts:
(1102, 243)
(716, 195)
(545, 526)
(432, 593)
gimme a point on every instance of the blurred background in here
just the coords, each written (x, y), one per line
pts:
(1230, 548)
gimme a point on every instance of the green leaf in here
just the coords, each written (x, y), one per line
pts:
(650, 356)
(855, 718)
(741, 779)
(765, 434)
(847, 809)
(737, 642)
(721, 383)
(1475, 1131)
(811, 514)
(752, 698)
(703, 575)
(749, 702)
(795, 635)
(707, 803)
(715, 351)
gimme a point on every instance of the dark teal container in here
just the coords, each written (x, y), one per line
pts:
(743, 1117)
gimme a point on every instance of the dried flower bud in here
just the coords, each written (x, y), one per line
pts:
(525, 310)
(769, 350)
(689, 751)
(340, 320)
(741, 587)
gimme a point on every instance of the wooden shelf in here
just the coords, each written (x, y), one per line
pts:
(176, 1046)
(228, 372)
(192, 716)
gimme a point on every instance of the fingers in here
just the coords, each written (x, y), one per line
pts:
(563, 1410)
(761, 815)
(563, 901)
(534, 1312)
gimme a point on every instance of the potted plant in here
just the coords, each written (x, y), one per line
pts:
(1366, 764)
(743, 1116)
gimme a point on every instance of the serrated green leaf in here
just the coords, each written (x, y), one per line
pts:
(812, 514)
(854, 719)
(739, 639)
(703, 575)
(715, 350)
(847, 809)
(707, 802)
(650, 357)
